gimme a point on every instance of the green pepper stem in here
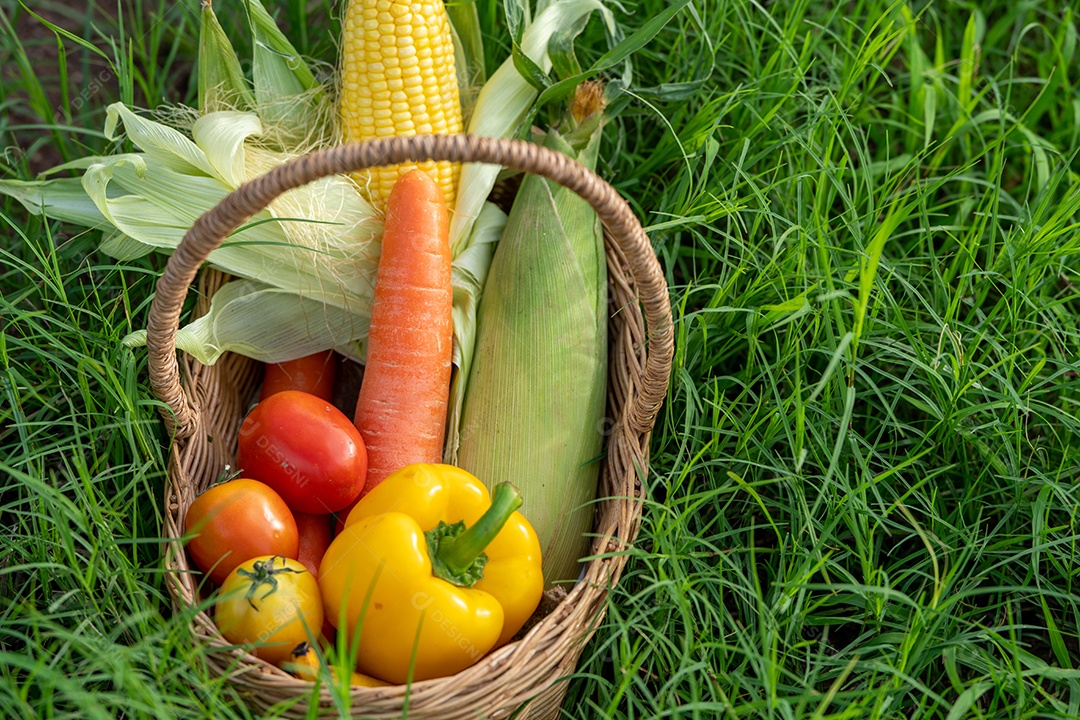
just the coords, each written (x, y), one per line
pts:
(459, 553)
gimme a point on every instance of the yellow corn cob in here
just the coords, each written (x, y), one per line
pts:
(398, 78)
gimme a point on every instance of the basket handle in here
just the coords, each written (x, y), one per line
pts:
(211, 228)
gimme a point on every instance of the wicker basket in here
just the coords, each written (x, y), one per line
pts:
(206, 408)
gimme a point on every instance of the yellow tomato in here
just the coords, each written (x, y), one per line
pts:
(305, 664)
(270, 604)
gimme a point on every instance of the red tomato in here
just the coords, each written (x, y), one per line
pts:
(306, 449)
(236, 521)
(311, 374)
(315, 536)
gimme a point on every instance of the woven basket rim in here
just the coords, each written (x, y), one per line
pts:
(531, 664)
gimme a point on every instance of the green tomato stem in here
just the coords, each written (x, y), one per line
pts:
(262, 573)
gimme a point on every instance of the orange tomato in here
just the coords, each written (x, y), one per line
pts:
(235, 521)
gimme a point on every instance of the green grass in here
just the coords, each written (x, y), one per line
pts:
(864, 485)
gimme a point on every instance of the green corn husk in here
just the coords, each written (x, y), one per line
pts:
(221, 81)
(501, 110)
(534, 406)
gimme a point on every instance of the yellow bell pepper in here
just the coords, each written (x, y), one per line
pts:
(432, 571)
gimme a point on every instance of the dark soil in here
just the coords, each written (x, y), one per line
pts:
(90, 81)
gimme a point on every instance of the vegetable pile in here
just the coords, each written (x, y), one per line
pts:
(379, 539)
(428, 574)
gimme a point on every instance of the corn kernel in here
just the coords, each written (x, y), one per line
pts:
(398, 62)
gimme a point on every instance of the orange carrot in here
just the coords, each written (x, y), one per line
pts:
(401, 412)
(312, 374)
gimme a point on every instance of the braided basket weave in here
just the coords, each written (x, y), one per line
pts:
(205, 408)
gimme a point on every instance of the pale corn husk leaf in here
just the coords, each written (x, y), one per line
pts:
(222, 135)
(504, 104)
(331, 260)
(124, 247)
(261, 321)
(316, 276)
(147, 201)
(63, 199)
(161, 144)
(222, 85)
(268, 324)
(155, 206)
(468, 272)
(533, 410)
(76, 164)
